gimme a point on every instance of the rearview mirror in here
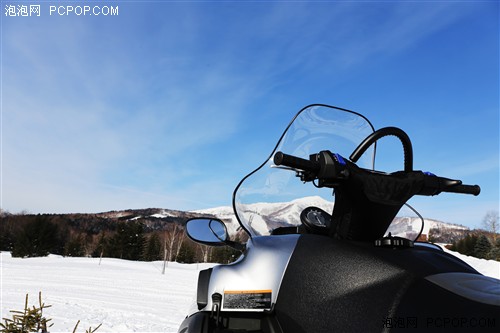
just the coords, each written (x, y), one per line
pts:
(207, 231)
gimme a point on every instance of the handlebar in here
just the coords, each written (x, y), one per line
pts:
(464, 189)
(432, 184)
(294, 162)
(363, 195)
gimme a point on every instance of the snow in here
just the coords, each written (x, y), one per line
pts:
(225, 213)
(483, 266)
(164, 213)
(433, 224)
(125, 296)
(159, 216)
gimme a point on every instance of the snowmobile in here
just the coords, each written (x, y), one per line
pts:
(320, 254)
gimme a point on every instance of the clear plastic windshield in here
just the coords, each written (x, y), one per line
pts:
(272, 197)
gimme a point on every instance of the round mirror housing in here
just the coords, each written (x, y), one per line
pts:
(207, 231)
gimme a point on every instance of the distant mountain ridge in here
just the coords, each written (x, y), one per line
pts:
(275, 213)
(153, 233)
(263, 216)
(433, 230)
(144, 213)
(266, 215)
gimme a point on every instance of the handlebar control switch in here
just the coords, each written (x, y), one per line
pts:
(333, 168)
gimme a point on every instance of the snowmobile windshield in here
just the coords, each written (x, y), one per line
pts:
(271, 197)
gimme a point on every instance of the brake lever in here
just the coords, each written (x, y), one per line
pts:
(285, 168)
(303, 175)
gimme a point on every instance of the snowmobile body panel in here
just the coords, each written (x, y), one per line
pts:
(352, 287)
(252, 283)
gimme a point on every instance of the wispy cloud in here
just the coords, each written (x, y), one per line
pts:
(477, 167)
(133, 108)
(75, 114)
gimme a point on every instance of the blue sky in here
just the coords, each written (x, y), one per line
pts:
(169, 103)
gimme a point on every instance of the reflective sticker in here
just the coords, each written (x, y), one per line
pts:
(247, 299)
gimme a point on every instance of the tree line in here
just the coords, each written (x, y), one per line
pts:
(483, 243)
(129, 236)
(78, 235)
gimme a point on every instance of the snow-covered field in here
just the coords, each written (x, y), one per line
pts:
(485, 267)
(125, 296)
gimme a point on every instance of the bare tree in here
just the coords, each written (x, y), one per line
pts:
(491, 223)
(172, 242)
(181, 236)
(206, 252)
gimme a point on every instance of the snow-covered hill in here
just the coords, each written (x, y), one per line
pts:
(265, 216)
(409, 227)
(226, 214)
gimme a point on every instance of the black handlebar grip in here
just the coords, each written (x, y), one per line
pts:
(281, 158)
(465, 189)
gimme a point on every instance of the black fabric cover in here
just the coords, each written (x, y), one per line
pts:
(367, 202)
(431, 308)
(340, 286)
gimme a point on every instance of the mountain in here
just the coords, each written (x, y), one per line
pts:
(433, 230)
(152, 219)
(265, 216)
(135, 214)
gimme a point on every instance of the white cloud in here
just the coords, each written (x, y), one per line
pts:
(476, 167)
(91, 110)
